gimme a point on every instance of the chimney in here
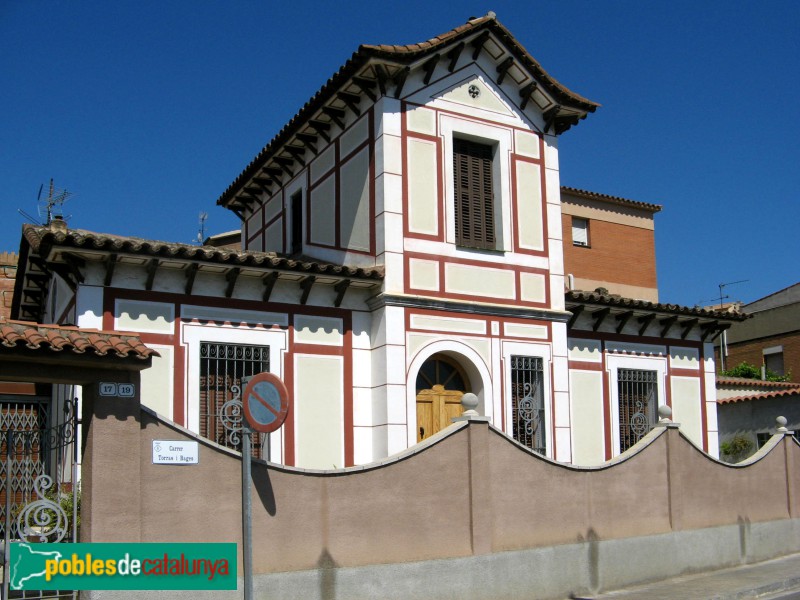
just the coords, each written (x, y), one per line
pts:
(58, 224)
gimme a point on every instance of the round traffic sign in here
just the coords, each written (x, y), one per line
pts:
(266, 402)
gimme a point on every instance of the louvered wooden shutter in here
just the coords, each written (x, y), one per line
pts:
(472, 170)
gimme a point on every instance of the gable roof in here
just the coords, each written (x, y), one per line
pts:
(378, 68)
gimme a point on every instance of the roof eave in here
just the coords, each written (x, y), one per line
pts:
(401, 56)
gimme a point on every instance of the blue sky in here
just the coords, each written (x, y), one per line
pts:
(146, 111)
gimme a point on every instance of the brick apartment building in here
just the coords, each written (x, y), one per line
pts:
(771, 337)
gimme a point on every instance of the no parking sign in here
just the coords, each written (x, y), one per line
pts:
(265, 402)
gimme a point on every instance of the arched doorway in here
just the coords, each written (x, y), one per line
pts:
(440, 384)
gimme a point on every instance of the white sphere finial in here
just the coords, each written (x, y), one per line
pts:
(470, 402)
(781, 422)
(664, 413)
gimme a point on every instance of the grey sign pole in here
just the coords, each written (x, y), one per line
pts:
(247, 515)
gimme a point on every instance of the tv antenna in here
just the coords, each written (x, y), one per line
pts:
(723, 339)
(50, 207)
(201, 232)
(722, 296)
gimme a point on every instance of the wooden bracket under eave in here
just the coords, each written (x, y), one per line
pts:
(306, 284)
(340, 288)
(269, 284)
(231, 277)
(111, 263)
(576, 312)
(599, 316)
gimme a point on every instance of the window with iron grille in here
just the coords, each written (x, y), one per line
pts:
(474, 195)
(222, 367)
(527, 402)
(638, 403)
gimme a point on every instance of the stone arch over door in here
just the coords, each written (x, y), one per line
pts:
(473, 370)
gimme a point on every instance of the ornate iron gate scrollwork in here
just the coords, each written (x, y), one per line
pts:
(527, 402)
(38, 476)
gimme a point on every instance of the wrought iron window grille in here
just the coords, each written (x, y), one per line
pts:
(638, 405)
(222, 368)
(527, 402)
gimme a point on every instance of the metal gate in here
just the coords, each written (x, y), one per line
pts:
(39, 492)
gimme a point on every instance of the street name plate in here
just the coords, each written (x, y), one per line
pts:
(175, 452)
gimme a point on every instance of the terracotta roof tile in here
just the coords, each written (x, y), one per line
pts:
(404, 55)
(42, 239)
(630, 303)
(613, 199)
(750, 383)
(56, 338)
(761, 396)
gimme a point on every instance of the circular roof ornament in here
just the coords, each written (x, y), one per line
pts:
(474, 91)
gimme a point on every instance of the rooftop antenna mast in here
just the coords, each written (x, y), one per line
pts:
(723, 339)
(50, 207)
(201, 233)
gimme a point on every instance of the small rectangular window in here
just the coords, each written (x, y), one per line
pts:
(773, 359)
(474, 194)
(297, 223)
(580, 231)
(762, 438)
(527, 402)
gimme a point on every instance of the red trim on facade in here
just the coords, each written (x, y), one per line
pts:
(180, 398)
(316, 349)
(347, 393)
(502, 393)
(63, 317)
(685, 372)
(607, 405)
(703, 408)
(451, 315)
(465, 117)
(289, 425)
(515, 194)
(584, 365)
(474, 263)
(440, 200)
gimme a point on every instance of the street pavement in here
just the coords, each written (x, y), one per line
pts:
(777, 579)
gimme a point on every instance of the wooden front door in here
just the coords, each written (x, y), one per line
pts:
(435, 410)
(440, 385)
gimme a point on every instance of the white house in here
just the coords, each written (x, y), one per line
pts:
(405, 243)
